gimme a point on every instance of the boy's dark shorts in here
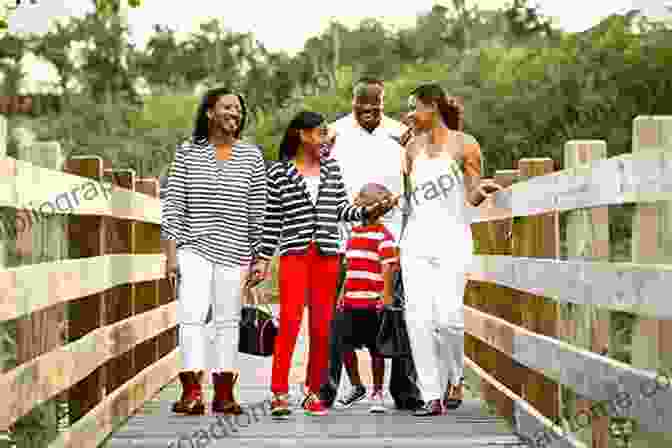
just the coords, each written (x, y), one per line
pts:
(357, 329)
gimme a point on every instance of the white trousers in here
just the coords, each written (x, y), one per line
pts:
(434, 289)
(204, 284)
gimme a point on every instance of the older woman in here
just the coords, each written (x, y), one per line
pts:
(211, 227)
(306, 201)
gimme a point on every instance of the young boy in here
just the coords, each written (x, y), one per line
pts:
(370, 255)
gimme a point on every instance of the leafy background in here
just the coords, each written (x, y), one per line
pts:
(527, 86)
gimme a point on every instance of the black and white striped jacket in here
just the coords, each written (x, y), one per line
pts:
(214, 211)
(292, 220)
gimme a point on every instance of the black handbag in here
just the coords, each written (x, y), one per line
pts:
(257, 330)
(392, 340)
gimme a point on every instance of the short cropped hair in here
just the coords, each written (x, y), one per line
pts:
(367, 81)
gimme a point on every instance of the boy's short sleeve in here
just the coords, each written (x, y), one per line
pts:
(387, 249)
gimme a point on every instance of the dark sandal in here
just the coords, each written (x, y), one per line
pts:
(453, 403)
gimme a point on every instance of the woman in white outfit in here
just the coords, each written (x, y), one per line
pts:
(444, 169)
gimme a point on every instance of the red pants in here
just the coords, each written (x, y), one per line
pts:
(305, 279)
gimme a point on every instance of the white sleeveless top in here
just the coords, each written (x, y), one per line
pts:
(440, 217)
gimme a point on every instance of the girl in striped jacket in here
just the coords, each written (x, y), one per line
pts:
(306, 200)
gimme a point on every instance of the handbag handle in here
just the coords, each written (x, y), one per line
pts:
(255, 303)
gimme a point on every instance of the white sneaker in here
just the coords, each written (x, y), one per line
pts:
(357, 393)
(377, 403)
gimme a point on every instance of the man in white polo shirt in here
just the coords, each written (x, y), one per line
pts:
(367, 150)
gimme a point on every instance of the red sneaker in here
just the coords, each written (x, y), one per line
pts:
(312, 405)
(280, 406)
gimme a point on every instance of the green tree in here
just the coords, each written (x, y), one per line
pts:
(160, 62)
(55, 46)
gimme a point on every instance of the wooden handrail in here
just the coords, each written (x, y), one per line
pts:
(68, 280)
(34, 382)
(631, 287)
(24, 186)
(641, 177)
(589, 374)
(528, 421)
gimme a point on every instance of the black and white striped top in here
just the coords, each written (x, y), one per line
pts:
(216, 208)
(292, 221)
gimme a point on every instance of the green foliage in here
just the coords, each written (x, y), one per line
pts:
(527, 89)
(110, 7)
(166, 112)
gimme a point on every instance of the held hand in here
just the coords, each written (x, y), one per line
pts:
(171, 265)
(258, 273)
(171, 269)
(489, 189)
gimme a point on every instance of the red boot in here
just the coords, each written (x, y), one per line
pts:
(191, 401)
(224, 402)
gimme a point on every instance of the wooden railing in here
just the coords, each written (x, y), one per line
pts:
(94, 316)
(539, 325)
(95, 319)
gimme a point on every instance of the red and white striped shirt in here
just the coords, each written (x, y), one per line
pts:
(368, 249)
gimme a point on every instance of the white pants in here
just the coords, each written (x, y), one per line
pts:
(204, 284)
(434, 289)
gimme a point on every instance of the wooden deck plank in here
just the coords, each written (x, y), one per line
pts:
(155, 426)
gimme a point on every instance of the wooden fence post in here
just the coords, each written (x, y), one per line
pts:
(120, 239)
(87, 238)
(500, 298)
(475, 295)
(536, 236)
(586, 326)
(38, 241)
(651, 240)
(491, 239)
(147, 241)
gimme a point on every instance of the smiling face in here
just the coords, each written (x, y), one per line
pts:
(312, 140)
(421, 115)
(225, 115)
(367, 105)
(312, 137)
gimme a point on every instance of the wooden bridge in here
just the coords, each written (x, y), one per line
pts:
(88, 324)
